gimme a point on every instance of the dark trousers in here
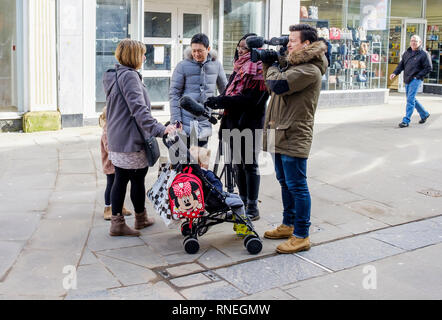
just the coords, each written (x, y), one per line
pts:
(291, 173)
(107, 193)
(137, 189)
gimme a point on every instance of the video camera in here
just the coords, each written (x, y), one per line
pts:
(255, 44)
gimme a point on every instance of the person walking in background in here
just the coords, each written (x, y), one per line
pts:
(197, 76)
(244, 103)
(416, 64)
(108, 170)
(128, 113)
(295, 85)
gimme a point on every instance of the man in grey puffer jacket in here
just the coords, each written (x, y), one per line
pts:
(197, 76)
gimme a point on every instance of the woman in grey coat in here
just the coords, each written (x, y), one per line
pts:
(197, 76)
(128, 108)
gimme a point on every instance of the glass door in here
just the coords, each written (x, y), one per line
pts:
(160, 37)
(190, 23)
(410, 28)
(167, 33)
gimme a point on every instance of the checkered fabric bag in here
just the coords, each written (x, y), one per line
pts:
(158, 195)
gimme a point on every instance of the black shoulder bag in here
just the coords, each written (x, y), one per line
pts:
(150, 144)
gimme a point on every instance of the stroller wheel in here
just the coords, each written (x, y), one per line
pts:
(185, 229)
(191, 245)
(253, 244)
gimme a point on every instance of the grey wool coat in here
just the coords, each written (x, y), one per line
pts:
(199, 81)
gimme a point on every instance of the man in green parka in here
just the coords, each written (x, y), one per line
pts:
(295, 84)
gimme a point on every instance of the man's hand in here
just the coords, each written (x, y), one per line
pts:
(392, 76)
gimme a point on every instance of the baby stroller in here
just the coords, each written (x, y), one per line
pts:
(215, 211)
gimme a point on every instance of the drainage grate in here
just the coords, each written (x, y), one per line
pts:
(211, 275)
(431, 193)
(165, 274)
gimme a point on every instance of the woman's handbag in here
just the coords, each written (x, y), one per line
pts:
(158, 195)
(150, 144)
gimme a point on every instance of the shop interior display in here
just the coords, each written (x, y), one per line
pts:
(434, 48)
(356, 56)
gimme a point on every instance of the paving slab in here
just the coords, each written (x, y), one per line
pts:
(184, 269)
(140, 255)
(268, 273)
(413, 275)
(274, 294)
(213, 291)
(127, 273)
(9, 252)
(99, 240)
(19, 226)
(157, 291)
(190, 280)
(94, 277)
(349, 252)
(411, 236)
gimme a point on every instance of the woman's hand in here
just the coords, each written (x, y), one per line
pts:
(170, 130)
(212, 103)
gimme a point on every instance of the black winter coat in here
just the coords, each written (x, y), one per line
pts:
(415, 64)
(244, 111)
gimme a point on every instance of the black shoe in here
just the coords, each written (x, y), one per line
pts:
(403, 125)
(423, 120)
(252, 212)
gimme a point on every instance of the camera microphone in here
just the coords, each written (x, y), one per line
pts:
(254, 42)
(198, 110)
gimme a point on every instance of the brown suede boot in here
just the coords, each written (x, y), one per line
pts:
(294, 245)
(120, 228)
(107, 213)
(281, 232)
(126, 212)
(142, 220)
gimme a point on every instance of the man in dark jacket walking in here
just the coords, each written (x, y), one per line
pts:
(416, 64)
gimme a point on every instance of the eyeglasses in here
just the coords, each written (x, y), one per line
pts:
(243, 48)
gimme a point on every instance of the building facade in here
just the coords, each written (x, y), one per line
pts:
(53, 52)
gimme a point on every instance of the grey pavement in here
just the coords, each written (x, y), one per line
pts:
(376, 208)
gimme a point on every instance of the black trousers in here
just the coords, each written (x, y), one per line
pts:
(137, 189)
(107, 193)
(246, 169)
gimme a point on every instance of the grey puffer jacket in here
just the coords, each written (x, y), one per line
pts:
(125, 107)
(199, 81)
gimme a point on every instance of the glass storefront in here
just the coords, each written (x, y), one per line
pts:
(8, 57)
(240, 17)
(358, 33)
(434, 39)
(113, 19)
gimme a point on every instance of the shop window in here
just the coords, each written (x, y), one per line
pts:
(240, 17)
(434, 40)
(158, 57)
(113, 18)
(357, 31)
(406, 8)
(8, 81)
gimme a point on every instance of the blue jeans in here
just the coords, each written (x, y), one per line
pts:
(291, 173)
(411, 91)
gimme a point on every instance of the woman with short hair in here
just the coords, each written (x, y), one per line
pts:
(129, 123)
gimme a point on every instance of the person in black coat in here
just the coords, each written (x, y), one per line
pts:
(244, 102)
(416, 64)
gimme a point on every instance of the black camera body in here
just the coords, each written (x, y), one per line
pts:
(266, 55)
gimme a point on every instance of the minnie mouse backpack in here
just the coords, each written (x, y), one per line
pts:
(186, 196)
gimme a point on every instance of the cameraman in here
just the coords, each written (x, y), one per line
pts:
(244, 102)
(295, 84)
